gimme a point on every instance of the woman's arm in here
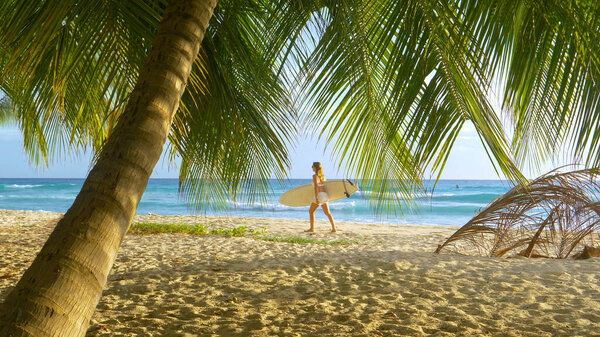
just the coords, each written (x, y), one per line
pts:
(316, 189)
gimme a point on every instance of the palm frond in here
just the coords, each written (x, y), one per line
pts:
(551, 79)
(81, 67)
(235, 123)
(551, 217)
(390, 84)
(70, 67)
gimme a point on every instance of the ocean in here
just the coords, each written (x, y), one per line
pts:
(452, 203)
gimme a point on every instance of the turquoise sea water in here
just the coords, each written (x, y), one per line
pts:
(448, 205)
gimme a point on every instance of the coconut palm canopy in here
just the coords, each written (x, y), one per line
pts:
(550, 217)
(81, 67)
(389, 84)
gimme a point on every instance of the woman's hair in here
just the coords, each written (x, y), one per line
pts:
(319, 170)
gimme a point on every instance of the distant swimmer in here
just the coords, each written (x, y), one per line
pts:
(457, 187)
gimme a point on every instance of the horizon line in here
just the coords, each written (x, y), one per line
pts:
(174, 178)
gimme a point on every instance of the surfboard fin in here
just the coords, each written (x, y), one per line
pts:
(346, 191)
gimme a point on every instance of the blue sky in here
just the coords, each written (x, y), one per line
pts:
(468, 160)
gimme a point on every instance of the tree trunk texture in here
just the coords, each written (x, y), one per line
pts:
(59, 292)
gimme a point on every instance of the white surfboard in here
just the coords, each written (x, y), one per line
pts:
(305, 195)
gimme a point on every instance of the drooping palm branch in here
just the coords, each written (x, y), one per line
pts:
(389, 85)
(233, 123)
(550, 217)
(235, 119)
(69, 66)
(549, 75)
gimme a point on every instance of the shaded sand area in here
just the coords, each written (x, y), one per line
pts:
(388, 284)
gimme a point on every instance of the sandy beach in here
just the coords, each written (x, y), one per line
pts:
(389, 283)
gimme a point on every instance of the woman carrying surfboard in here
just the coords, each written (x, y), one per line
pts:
(321, 197)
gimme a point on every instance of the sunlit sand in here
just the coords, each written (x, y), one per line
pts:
(388, 284)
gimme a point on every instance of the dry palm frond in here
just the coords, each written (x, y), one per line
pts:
(550, 217)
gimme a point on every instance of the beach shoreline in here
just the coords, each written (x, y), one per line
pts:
(389, 283)
(448, 206)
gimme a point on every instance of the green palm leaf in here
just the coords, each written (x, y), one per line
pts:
(70, 68)
(390, 85)
(551, 77)
(230, 132)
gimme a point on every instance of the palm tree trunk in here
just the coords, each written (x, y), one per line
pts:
(59, 292)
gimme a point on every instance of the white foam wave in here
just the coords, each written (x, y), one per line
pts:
(22, 186)
(38, 197)
(65, 197)
(341, 205)
(385, 195)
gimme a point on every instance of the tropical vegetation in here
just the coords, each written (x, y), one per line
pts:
(555, 216)
(388, 84)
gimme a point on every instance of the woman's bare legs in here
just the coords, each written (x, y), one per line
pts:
(311, 213)
(325, 207)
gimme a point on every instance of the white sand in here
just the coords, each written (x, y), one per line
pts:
(390, 284)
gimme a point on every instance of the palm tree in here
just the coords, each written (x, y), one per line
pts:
(60, 290)
(397, 80)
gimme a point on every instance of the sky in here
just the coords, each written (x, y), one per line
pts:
(468, 160)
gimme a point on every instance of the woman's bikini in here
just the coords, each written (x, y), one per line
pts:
(320, 185)
(321, 192)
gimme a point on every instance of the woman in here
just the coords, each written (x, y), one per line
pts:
(321, 197)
